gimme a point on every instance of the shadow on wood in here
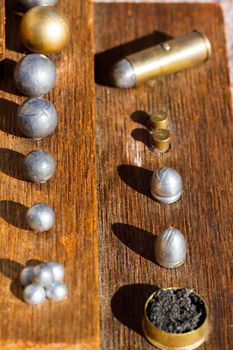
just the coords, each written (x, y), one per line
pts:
(127, 304)
(140, 241)
(12, 164)
(136, 177)
(14, 213)
(105, 60)
(7, 68)
(13, 19)
(11, 269)
(8, 112)
(140, 117)
(143, 136)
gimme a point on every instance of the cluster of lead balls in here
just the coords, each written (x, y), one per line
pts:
(43, 281)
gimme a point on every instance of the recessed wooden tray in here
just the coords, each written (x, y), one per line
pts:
(198, 102)
(74, 323)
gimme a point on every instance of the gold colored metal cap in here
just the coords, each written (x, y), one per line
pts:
(161, 139)
(159, 120)
(173, 341)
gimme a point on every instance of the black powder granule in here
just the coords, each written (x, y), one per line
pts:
(176, 310)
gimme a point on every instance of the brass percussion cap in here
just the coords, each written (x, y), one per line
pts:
(161, 139)
(176, 341)
(159, 120)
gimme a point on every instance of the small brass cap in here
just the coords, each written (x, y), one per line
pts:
(161, 139)
(159, 120)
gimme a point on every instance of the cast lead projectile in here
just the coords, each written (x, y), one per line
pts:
(168, 57)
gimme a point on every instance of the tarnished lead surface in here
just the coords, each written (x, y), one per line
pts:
(39, 166)
(166, 185)
(35, 75)
(170, 248)
(37, 118)
(40, 217)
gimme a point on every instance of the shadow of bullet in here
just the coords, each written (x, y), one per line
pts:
(137, 178)
(140, 241)
(127, 304)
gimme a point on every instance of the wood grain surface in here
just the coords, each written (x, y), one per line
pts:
(2, 29)
(199, 106)
(74, 323)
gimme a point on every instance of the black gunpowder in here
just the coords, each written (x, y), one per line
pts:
(176, 310)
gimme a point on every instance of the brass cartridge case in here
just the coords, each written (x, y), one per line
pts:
(173, 341)
(166, 58)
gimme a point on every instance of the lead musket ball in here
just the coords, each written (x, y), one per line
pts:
(34, 294)
(40, 217)
(58, 271)
(28, 4)
(170, 248)
(26, 276)
(37, 118)
(35, 75)
(56, 291)
(42, 275)
(39, 166)
(166, 185)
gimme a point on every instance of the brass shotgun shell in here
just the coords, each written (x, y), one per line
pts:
(169, 57)
(175, 341)
(161, 140)
(158, 120)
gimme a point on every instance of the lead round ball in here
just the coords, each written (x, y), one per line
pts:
(42, 275)
(58, 271)
(34, 294)
(170, 248)
(37, 118)
(44, 29)
(40, 217)
(28, 4)
(166, 185)
(26, 276)
(57, 291)
(39, 166)
(35, 75)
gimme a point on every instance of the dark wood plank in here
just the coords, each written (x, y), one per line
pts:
(2, 29)
(199, 104)
(74, 323)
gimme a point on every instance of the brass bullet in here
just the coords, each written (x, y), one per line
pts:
(44, 30)
(161, 139)
(166, 58)
(158, 120)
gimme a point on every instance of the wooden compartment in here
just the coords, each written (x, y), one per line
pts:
(199, 105)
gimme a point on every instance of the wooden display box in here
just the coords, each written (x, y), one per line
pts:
(106, 221)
